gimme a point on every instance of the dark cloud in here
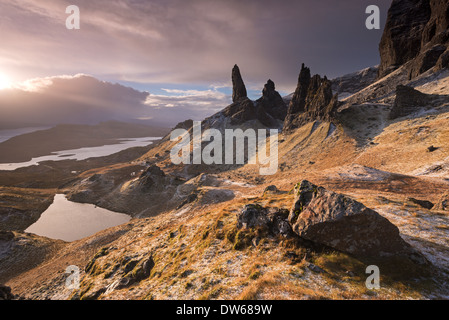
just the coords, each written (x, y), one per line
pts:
(196, 41)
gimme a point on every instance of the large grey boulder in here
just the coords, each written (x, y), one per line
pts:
(337, 221)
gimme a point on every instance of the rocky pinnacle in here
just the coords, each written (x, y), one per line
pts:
(238, 87)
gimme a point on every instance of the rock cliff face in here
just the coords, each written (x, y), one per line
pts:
(416, 31)
(312, 100)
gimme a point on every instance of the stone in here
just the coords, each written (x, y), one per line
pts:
(253, 216)
(279, 223)
(339, 222)
(271, 189)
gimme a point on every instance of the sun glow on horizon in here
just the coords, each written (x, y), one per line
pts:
(5, 82)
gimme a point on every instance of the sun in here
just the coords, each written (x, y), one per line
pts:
(4, 81)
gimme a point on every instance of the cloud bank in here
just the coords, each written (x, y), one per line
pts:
(86, 100)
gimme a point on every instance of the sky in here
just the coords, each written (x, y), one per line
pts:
(180, 52)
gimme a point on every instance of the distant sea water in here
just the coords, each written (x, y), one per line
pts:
(83, 153)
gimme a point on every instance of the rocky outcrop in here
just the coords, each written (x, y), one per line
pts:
(298, 101)
(313, 100)
(416, 31)
(271, 102)
(339, 222)
(153, 178)
(238, 86)
(408, 101)
(269, 109)
(272, 220)
(241, 111)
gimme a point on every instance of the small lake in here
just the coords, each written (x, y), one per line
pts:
(70, 221)
(84, 153)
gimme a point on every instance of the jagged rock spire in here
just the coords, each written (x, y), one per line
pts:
(312, 100)
(268, 89)
(238, 86)
(299, 97)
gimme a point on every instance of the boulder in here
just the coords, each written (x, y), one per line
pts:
(253, 216)
(339, 222)
(271, 189)
(273, 220)
(408, 101)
